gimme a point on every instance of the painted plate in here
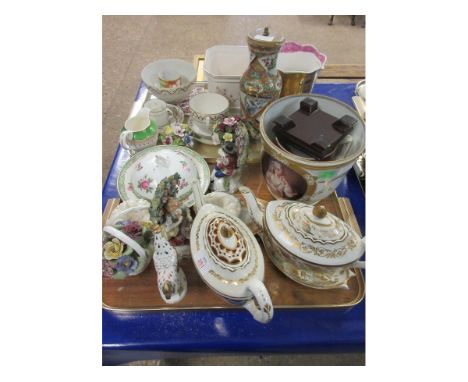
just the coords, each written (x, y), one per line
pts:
(141, 174)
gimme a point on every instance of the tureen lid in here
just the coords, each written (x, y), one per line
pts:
(312, 234)
(264, 36)
(226, 254)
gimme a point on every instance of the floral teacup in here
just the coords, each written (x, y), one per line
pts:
(206, 110)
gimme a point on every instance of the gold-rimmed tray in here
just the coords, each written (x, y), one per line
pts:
(140, 292)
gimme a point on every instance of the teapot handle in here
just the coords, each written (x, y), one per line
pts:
(264, 311)
(361, 264)
(123, 139)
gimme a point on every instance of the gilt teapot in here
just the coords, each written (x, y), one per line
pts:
(308, 244)
(229, 259)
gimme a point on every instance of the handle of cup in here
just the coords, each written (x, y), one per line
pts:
(263, 310)
(171, 114)
(123, 139)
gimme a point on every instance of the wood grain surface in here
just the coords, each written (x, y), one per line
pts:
(141, 293)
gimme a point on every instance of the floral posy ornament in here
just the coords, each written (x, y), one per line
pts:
(176, 134)
(124, 248)
(233, 137)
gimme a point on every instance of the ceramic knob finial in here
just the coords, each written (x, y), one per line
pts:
(266, 31)
(319, 211)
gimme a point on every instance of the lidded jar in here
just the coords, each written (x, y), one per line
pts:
(261, 83)
(308, 244)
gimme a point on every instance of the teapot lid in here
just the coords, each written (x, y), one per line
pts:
(225, 253)
(312, 234)
(264, 36)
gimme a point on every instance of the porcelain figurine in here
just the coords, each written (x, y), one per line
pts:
(261, 83)
(172, 283)
(308, 244)
(229, 259)
(173, 222)
(233, 138)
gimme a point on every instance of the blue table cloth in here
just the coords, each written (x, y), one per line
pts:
(158, 334)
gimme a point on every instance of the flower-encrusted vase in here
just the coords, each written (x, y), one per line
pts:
(261, 83)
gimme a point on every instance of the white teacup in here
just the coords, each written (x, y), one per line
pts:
(206, 110)
(159, 112)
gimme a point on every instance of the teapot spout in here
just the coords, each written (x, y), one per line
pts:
(252, 205)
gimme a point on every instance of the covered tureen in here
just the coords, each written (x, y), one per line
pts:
(307, 243)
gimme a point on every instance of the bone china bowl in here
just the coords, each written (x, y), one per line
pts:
(151, 77)
(293, 177)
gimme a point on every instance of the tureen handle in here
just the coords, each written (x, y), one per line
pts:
(252, 205)
(197, 195)
(361, 264)
(264, 311)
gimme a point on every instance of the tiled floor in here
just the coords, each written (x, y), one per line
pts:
(130, 42)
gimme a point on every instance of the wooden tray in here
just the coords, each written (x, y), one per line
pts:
(141, 293)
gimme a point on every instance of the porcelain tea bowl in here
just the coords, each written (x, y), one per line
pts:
(308, 244)
(151, 76)
(293, 177)
(228, 258)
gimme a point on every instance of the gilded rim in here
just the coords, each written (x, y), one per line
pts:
(272, 238)
(304, 162)
(213, 115)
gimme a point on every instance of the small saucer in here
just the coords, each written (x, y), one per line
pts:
(199, 134)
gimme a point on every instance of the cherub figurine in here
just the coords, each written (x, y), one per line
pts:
(171, 220)
(234, 139)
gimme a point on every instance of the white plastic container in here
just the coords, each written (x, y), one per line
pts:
(224, 67)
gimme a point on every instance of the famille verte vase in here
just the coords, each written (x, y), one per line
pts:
(261, 83)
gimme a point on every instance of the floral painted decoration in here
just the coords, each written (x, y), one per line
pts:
(144, 184)
(176, 134)
(185, 104)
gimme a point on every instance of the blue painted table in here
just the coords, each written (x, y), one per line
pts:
(152, 335)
